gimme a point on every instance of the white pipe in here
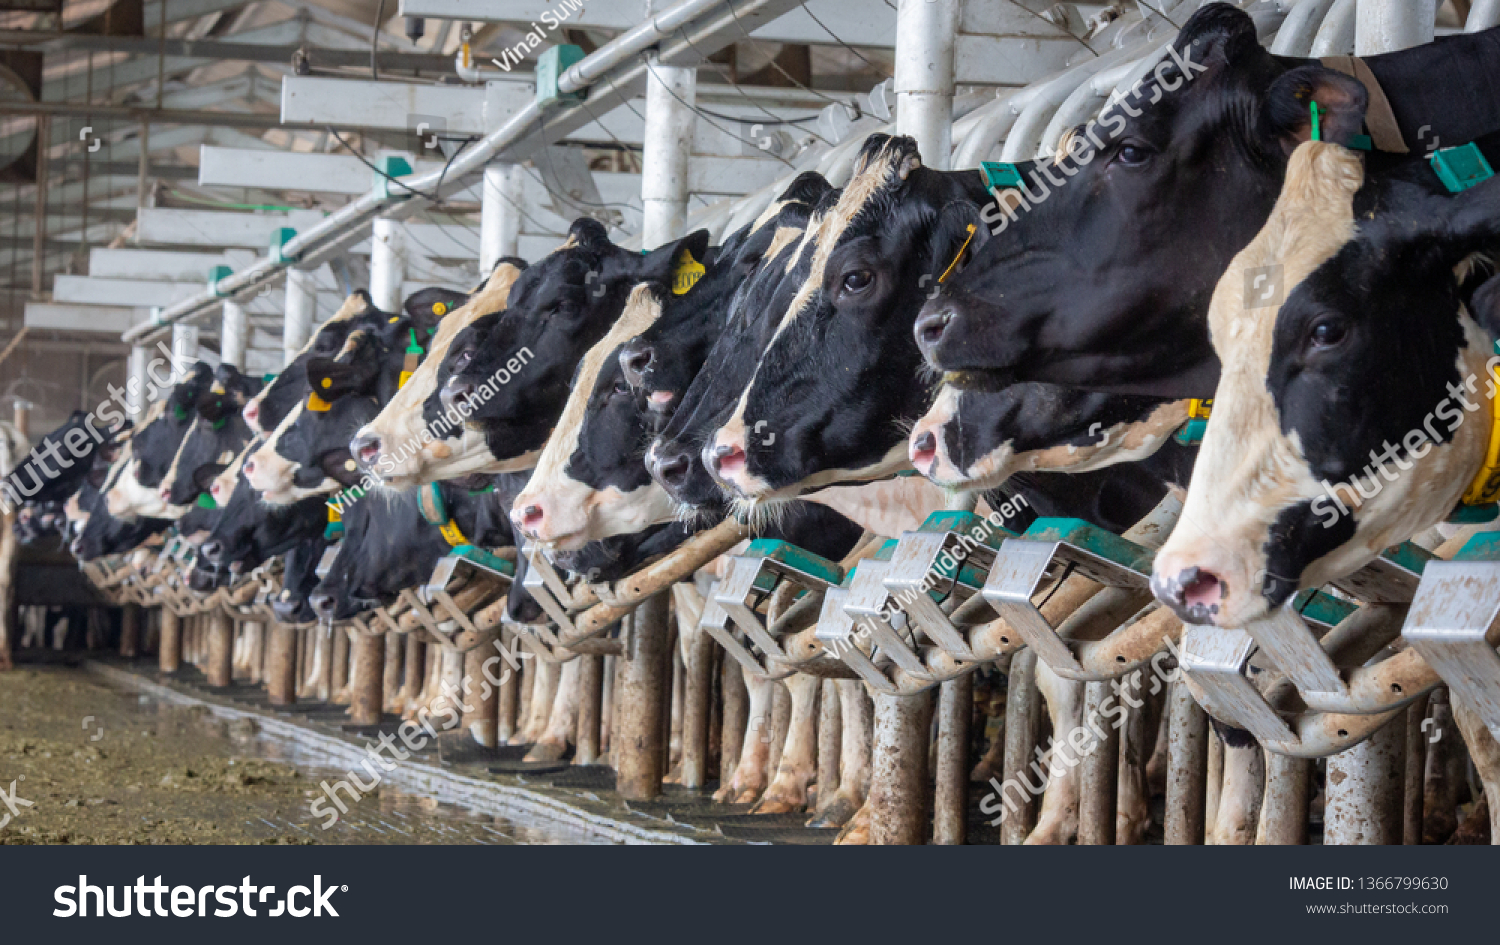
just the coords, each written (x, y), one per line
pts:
(234, 334)
(666, 147)
(184, 347)
(387, 264)
(1025, 138)
(138, 357)
(301, 304)
(1301, 28)
(1383, 26)
(1483, 14)
(499, 215)
(924, 77)
(1336, 35)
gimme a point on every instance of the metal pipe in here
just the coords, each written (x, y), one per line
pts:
(696, 709)
(898, 775)
(1416, 768)
(137, 400)
(830, 735)
(368, 672)
(220, 649)
(734, 717)
(184, 346)
(640, 761)
(387, 264)
(281, 657)
(590, 708)
(1336, 35)
(169, 646)
(234, 334)
(1382, 26)
(1022, 724)
(950, 803)
(510, 692)
(499, 215)
(1483, 14)
(1283, 811)
(925, 34)
(39, 236)
(666, 147)
(1098, 791)
(301, 305)
(1295, 38)
(130, 630)
(1187, 768)
(480, 701)
(1364, 790)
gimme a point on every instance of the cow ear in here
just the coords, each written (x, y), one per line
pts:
(956, 237)
(1287, 115)
(429, 306)
(590, 234)
(339, 465)
(331, 379)
(660, 264)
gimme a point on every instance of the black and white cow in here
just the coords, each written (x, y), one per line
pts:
(1358, 412)
(216, 436)
(133, 487)
(1103, 279)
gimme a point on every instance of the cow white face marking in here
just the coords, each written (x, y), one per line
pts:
(406, 458)
(1258, 522)
(561, 511)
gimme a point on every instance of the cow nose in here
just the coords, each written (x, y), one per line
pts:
(323, 602)
(249, 470)
(670, 471)
(924, 449)
(635, 362)
(166, 493)
(930, 327)
(456, 391)
(251, 413)
(366, 448)
(1193, 594)
(211, 550)
(728, 459)
(529, 519)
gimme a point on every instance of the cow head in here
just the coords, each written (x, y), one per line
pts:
(217, 435)
(1347, 419)
(1100, 271)
(249, 530)
(397, 447)
(135, 488)
(266, 410)
(55, 467)
(513, 382)
(977, 439)
(838, 380)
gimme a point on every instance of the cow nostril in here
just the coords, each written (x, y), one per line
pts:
(531, 519)
(924, 448)
(322, 603)
(930, 328)
(456, 391)
(1202, 588)
(211, 550)
(636, 363)
(674, 472)
(366, 448)
(729, 460)
(249, 467)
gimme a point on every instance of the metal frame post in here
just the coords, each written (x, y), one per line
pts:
(667, 145)
(387, 263)
(1364, 790)
(281, 660)
(234, 334)
(301, 305)
(1187, 768)
(184, 346)
(641, 758)
(137, 401)
(169, 647)
(499, 215)
(366, 704)
(220, 670)
(925, 36)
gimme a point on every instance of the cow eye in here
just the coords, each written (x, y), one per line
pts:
(462, 361)
(622, 388)
(1328, 332)
(1133, 155)
(858, 280)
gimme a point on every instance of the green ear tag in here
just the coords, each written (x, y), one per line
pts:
(179, 411)
(206, 501)
(219, 423)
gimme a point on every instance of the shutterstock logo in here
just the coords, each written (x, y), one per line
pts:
(185, 901)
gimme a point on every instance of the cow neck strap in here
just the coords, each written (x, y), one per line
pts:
(435, 512)
(1380, 118)
(1191, 432)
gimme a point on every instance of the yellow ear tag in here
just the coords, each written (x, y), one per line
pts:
(401, 381)
(452, 534)
(687, 273)
(317, 404)
(439, 309)
(327, 383)
(392, 321)
(334, 515)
